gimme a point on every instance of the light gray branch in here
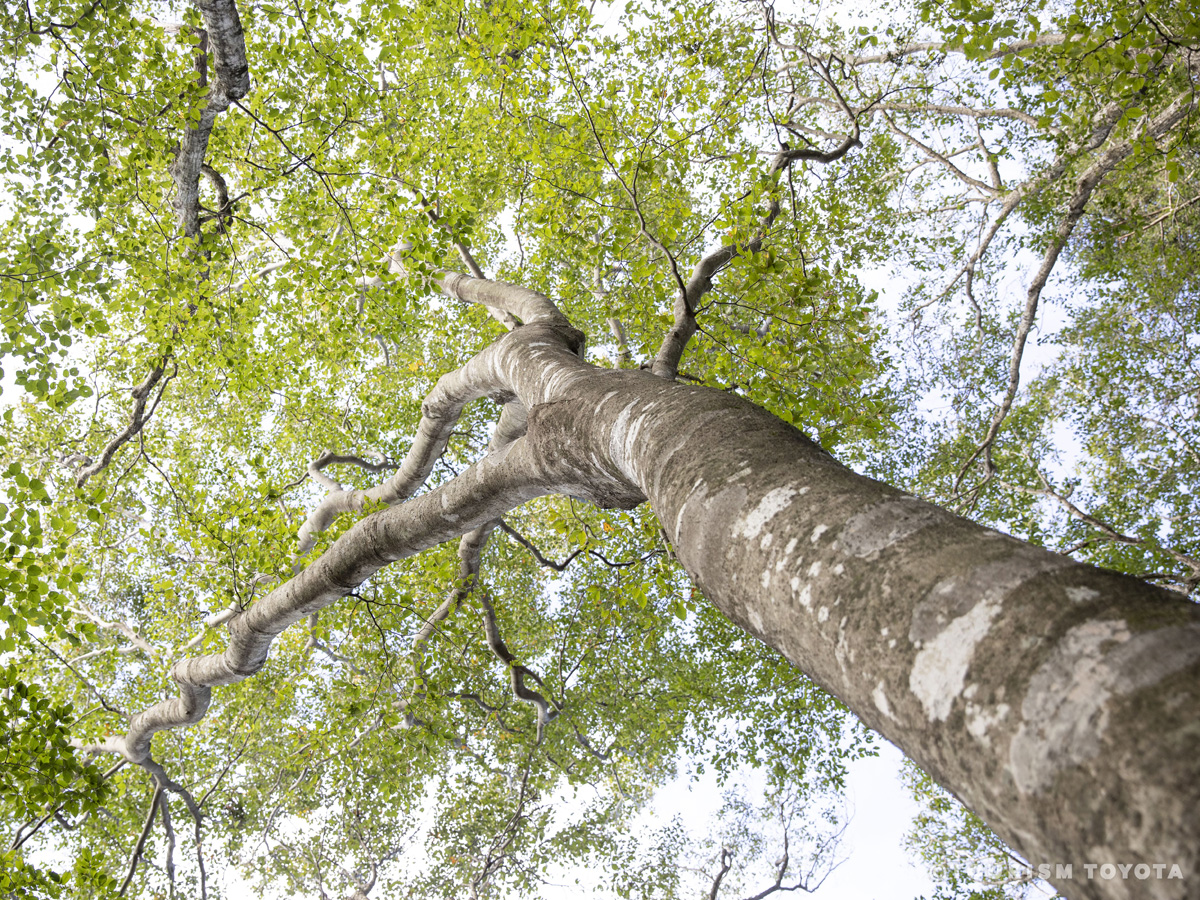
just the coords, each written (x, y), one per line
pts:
(478, 496)
(482, 376)
(935, 47)
(139, 642)
(223, 34)
(1085, 186)
(527, 306)
(502, 316)
(934, 156)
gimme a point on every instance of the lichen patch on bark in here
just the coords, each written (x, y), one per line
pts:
(773, 503)
(872, 531)
(1065, 710)
(940, 669)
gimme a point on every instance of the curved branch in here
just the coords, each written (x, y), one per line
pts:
(546, 711)
(726, 865)
(223, 211)
(537, 554)
(527, 306)
(329, 458)
(504, 317)
(479, 495)
(138, 419)
(600, 293)
(666, 362)
(482, 376)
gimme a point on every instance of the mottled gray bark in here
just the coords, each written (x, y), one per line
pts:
(1059, 701)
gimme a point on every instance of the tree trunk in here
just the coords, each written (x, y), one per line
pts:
(1059, 701)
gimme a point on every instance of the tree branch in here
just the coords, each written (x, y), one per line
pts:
(916, 47)
(1085, 185)
(223, 28)
(546, 712)
(137, 420)
(666, 362)
(1108, 531)
(141, 841)
(502, 316)
(482, 376)
(726, 865)
(537, 554)
(486, 490)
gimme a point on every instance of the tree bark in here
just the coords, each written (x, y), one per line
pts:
(1059, 701)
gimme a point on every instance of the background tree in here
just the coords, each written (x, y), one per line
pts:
(262, 319)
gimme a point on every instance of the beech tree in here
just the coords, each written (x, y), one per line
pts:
(261, 264)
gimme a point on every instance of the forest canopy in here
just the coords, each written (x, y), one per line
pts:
(954, 244)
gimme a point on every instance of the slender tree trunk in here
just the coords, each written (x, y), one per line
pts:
(1059, 701)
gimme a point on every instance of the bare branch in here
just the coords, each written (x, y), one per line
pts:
(1085, 185)
(160, 776)
(329, 458)
(139, 417)
(726, 865)
(546, 712)
(141, 841)
(537, 554)
(969, 112)
(169, 829)
(934, 156)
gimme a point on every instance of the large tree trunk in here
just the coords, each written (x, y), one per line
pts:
(1059, 701)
